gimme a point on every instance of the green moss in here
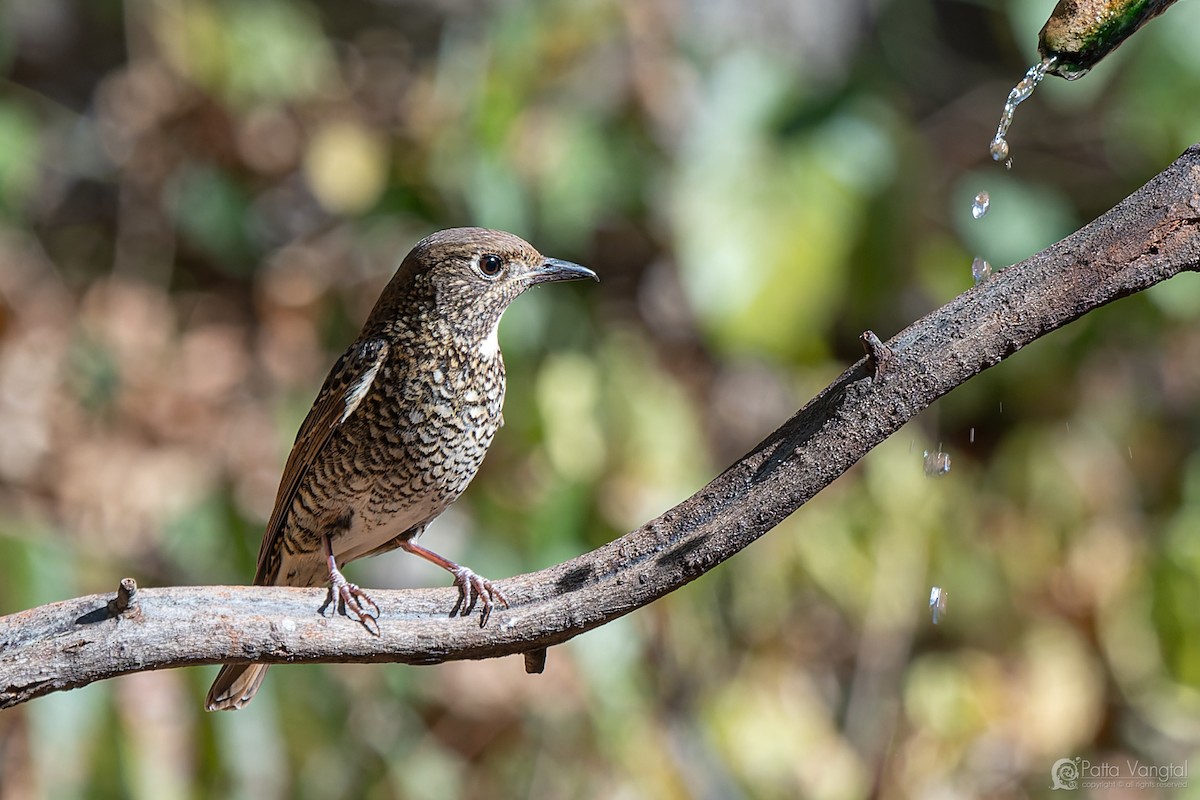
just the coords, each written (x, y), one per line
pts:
(1080, 33)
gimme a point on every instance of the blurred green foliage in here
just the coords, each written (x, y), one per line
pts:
(200, 200)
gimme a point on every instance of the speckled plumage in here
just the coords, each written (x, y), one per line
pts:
(400, 426)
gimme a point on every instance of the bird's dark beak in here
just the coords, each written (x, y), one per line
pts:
(554, 269)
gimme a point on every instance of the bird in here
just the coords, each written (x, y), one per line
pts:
(398, 429)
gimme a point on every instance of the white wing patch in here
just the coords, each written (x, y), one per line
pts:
(359, 390)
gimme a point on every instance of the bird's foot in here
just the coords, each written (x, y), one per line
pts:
(357, 604)
(474, 588)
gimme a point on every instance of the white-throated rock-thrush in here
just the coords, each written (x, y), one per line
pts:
(399, 428)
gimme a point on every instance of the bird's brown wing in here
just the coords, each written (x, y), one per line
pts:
(344, 388)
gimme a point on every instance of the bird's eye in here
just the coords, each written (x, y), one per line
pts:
(491, 265)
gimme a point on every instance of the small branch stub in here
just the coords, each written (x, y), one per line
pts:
(535, 661)
(879, 355)
(125, 599)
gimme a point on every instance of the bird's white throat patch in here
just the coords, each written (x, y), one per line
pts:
(491, 343)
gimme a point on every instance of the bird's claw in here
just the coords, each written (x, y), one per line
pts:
(357, 604)
(474, 588)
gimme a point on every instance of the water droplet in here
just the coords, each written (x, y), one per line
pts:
(1018, 94)
(979, 206)
(937, 602)
(980, 270)
(999, 148)
(936, 464)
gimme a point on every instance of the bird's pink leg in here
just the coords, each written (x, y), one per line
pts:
(358, 604)
(471, 587)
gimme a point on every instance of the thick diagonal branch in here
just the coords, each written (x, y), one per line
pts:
(1152, 235)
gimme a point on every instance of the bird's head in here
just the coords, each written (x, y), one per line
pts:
(464, 279)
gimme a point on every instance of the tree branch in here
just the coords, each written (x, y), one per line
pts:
(1150, 236)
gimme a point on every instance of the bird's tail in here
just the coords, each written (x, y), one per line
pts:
(236, 683)
(235, 686)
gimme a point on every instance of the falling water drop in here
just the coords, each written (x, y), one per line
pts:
(980, 270)
(936, 464)
(1018, 94)
(999, 148)
(979, 206)
(937, 602)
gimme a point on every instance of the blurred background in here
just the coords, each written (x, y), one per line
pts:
(201, 199)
